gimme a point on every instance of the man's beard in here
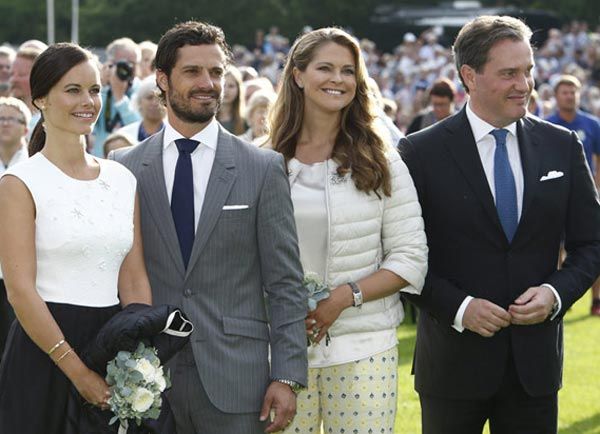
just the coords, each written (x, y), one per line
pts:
(183, 110)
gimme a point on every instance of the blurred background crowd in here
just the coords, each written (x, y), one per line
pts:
(415, 84)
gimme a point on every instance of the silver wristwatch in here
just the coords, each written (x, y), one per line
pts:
(357, 294)
(296, 387)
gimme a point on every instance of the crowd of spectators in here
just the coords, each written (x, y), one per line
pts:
(403, 77)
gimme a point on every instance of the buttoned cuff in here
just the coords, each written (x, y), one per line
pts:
(458, 319)
(557, 298)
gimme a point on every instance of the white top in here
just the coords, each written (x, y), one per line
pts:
(202, 161)
(83, 230)
(20, 155)
(310, 211)
(309, 197)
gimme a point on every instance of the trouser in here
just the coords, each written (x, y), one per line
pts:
(357, 397)
(510, 411)
(194, 412)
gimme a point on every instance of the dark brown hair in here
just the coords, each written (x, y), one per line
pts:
(47, 70)
(358, 148)
(477, 37)
(188, 33)
(444, 88)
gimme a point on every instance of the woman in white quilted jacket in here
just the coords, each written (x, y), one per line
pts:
(359, 228)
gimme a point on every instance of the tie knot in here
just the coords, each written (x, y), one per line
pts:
(186, 146)
(500, 135)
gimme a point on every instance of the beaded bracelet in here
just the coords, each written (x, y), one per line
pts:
(65, 354)
(55, 347)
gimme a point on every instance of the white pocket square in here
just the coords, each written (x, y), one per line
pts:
(234, 207)
(553, 174)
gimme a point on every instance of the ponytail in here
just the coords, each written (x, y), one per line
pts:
(38, 138)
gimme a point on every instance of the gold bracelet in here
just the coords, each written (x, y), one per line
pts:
(65, 354)
(54, 348)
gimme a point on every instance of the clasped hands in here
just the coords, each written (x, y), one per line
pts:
(486, 318)
(328, 310)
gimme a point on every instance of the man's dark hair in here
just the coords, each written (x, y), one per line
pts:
(477, 37)
(444, 88)
(188, 33)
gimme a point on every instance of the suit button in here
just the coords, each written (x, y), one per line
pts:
(187, 292)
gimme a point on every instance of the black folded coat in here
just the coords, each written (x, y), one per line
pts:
(164, 327)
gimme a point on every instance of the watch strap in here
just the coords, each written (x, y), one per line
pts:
(356, 293)
(295, 386)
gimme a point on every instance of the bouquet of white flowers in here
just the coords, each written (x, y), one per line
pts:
(136, 382)
(317, 291)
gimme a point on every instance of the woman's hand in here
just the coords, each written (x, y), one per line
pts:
(319, 320)
(93, 388)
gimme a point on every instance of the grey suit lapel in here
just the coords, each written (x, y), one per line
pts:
(222, 177)
(152, 177)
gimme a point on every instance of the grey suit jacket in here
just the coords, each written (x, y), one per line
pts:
(237, 257)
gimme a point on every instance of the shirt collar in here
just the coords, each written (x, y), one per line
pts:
(208, 136)
(481, 128)
(19, 156)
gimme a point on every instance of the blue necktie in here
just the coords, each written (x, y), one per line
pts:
(506, 191)
(182, 197)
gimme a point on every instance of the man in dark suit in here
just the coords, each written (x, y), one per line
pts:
(218, 229)
(499, 190)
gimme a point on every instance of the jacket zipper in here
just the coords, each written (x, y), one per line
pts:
(327, 208)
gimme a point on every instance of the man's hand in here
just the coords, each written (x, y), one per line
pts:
(282, 401)
(533, 306)
(485, 318)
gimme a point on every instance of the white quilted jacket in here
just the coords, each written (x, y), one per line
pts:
(367, 233)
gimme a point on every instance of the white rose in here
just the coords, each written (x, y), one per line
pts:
(146, 369)
(160, 382)
(142, 400)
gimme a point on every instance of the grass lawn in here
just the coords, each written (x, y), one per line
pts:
(579, 400)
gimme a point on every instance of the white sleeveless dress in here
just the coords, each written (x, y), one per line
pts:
(83, 231)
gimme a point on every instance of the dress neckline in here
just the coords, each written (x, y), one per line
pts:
(61, 172)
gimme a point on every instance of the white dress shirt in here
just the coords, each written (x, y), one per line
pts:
(20, 155)
(202, 161)
(486, 146)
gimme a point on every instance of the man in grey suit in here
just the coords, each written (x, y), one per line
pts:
(219, 232)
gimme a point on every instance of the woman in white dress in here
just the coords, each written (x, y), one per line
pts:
(359, 228)
(70, 248)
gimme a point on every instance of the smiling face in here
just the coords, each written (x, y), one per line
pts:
(194, 89)
(329, 80)
(500, 92)
(72, 105)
